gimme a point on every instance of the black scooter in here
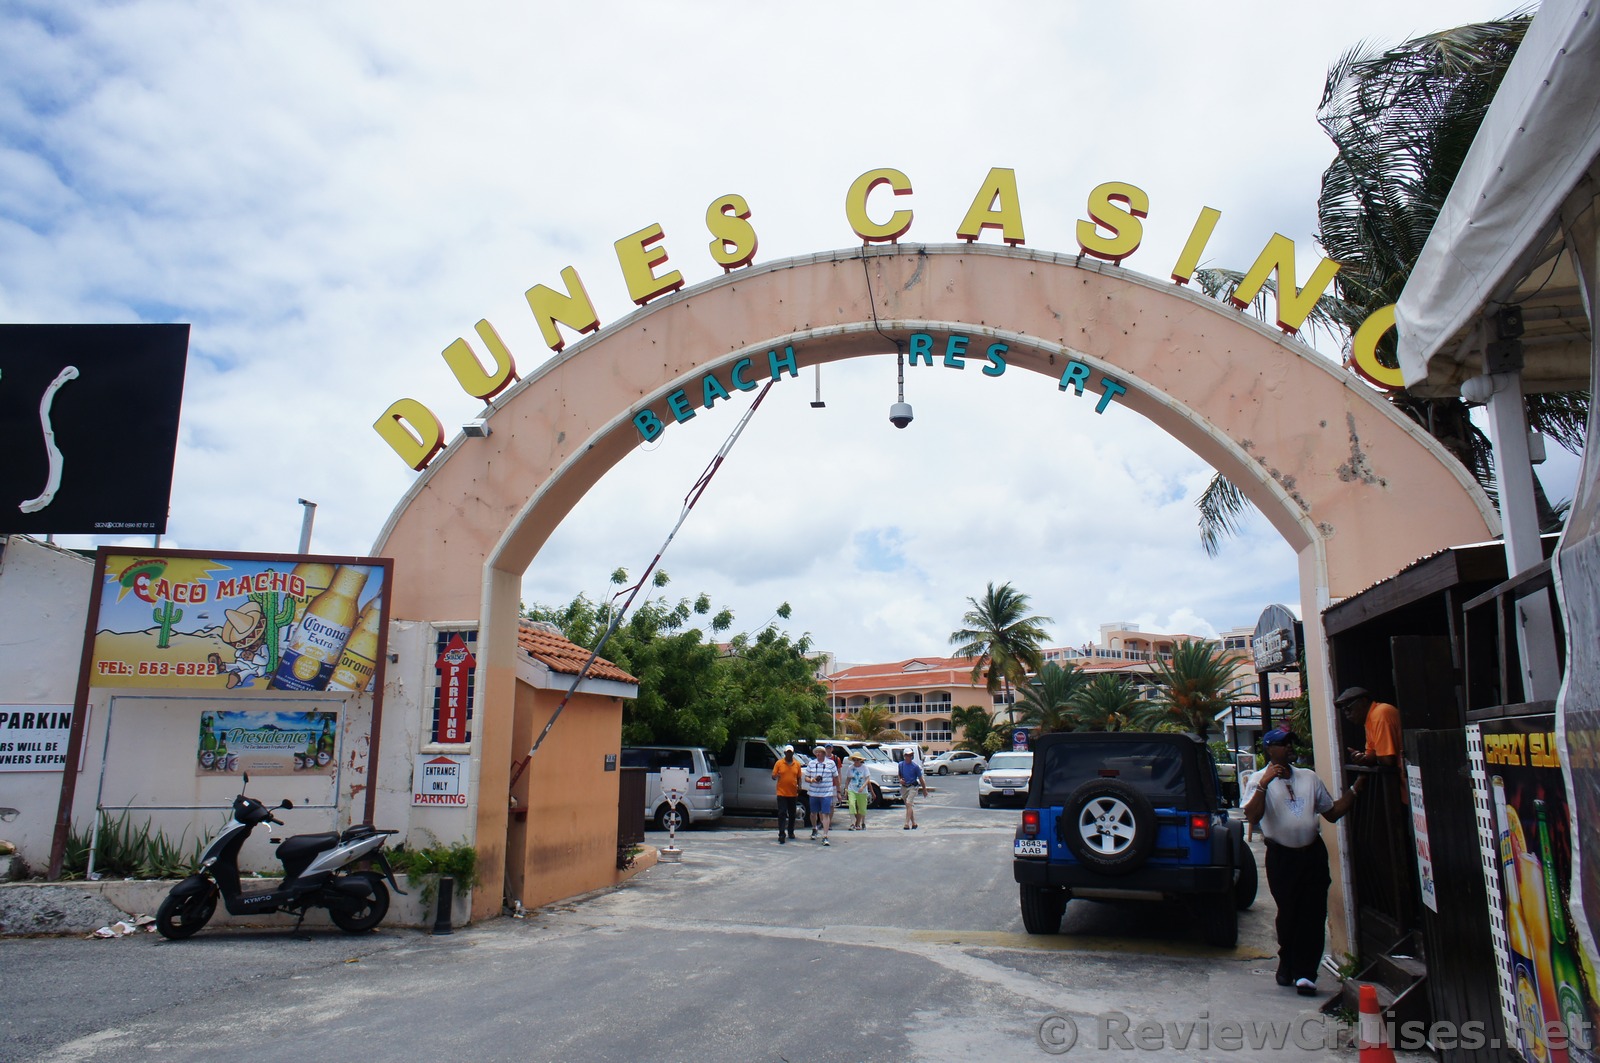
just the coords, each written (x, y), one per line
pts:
(315, 875)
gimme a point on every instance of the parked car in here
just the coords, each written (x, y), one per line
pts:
(1005, 778)
(905, 749)
(747, 782)
(1130, 815)
(704, 803)
(959, 761)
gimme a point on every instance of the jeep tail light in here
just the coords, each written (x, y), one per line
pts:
(1030, 822)
(1199, 827)
(703, 783)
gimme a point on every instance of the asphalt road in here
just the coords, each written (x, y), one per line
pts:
(886, 945)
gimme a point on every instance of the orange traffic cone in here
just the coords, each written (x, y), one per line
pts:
(1374, 1045)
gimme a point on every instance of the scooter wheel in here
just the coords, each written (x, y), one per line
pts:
(181, 917)
(360, 916)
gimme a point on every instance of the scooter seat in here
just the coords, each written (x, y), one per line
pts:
(302, 847)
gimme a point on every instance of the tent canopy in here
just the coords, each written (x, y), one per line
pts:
(1500, 238)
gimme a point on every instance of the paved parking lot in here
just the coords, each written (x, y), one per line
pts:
(889, 944)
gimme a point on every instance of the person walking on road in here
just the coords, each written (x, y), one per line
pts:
(1297, 860)
(856, 779)
(911, 780)
(787, 773)
(821, 778)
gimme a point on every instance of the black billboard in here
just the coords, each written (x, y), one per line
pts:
(89, 427)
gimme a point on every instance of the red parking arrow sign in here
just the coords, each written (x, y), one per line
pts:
(455, 666)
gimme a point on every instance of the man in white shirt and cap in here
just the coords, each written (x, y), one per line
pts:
(1285, 802)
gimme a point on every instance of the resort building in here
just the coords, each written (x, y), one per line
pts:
(921, 692)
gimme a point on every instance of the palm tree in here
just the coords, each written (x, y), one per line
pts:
(1002, 639)
(976, 723)
(1401, 121)
(874, 723)
(1192, 684)
(1105, 703)
(1046, 703)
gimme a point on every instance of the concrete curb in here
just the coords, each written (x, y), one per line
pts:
(83, 907)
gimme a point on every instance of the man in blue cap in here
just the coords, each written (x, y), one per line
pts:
(1297, 861)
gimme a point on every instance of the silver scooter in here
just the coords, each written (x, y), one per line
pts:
(316, 874)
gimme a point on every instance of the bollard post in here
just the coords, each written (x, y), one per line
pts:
(447, 890)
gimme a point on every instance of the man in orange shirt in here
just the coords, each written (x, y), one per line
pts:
(787, 772)
(1381, 722)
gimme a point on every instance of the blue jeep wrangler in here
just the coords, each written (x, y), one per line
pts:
(1120, 814)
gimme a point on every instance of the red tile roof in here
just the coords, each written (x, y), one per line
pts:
(544, 644)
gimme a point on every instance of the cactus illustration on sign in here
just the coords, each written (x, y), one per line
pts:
(167, 616)
(278, 622)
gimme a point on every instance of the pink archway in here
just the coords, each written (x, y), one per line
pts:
(1356, 489)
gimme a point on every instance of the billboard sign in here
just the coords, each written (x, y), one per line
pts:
(267, 742)
(214, 623)
(89, 427)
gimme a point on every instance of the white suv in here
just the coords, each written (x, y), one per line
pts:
(1005, 779)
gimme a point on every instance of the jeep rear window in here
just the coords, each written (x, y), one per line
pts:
(1155, 769)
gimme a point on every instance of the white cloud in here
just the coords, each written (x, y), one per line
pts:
(332, 193)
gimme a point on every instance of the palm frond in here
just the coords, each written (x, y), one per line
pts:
(1221, 506)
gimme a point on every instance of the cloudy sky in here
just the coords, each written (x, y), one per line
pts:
(332, 193)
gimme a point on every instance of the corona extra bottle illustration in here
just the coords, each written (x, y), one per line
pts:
(318, 577)
(314, 650)
(1563, 965)
(360, 655)
(1524, 976)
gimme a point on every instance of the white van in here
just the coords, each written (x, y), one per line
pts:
(705, 781)
(907, 749)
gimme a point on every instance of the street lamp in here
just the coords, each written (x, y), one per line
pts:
(309, 515)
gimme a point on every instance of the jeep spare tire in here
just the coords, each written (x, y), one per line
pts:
(1109, 826)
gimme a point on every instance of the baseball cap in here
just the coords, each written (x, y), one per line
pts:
(1276, 735)
(1351, 694)
(788, 749)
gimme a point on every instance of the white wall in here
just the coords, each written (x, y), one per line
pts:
(44, 595)
(153, 737)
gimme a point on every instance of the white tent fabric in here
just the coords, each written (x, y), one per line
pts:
(1537, 143)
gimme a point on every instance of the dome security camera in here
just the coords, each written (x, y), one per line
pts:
(900, 414)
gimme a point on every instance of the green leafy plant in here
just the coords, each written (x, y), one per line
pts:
(626, 855)
(424, 867)
(126, 849)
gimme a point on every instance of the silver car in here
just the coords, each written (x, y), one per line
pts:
(704, 804)
(958, 761)
(1005, 779)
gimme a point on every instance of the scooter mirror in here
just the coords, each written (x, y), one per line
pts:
(286, 803)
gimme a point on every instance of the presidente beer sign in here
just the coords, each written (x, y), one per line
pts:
(1111, 232)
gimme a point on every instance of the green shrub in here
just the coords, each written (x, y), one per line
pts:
(424, 867)
(128, 850)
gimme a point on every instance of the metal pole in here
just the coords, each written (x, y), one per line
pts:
(1508, 432)
(305, 524)
(447, 893)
